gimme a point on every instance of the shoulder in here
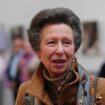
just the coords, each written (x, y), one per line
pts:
(101, 90)
(100, 82)
(98, 89)
(24, 86)
(21, 93)
(101, 85)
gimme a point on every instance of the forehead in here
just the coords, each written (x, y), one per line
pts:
(52, 29)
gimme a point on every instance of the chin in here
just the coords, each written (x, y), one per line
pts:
(56, 74)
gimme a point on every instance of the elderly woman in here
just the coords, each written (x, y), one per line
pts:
(55, 35)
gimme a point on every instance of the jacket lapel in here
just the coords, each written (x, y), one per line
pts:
(36, 86)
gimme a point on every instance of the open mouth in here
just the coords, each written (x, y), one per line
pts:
(59, 61)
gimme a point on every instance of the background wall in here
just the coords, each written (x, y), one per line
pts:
(16, 12)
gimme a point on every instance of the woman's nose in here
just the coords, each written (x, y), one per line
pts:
(60, 48)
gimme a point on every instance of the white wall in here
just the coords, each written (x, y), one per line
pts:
(14, 12)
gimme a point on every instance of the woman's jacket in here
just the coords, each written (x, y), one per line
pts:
(84, 89)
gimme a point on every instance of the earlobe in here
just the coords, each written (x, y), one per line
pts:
(38, 54)
(39, 57)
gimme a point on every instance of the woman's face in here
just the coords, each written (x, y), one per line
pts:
(56, 48)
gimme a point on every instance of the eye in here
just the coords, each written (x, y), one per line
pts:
(51, 43)
(67, 42)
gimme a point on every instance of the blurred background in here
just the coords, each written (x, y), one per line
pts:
(18, 60)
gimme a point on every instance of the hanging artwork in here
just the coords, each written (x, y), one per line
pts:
(90, 38)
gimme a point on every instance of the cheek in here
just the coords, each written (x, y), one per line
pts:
(70, 53)
(46, 53)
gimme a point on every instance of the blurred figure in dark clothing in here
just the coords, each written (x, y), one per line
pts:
(102, 71)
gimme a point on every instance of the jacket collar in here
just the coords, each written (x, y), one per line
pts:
(36, 85)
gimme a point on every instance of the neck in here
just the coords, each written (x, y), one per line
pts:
(59, 81)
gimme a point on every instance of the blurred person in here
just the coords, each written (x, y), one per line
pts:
(3, 49)
(55, 35)
(27, 63)
(3, 63)
(102, 71)
(11, 70)
(3, 59)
